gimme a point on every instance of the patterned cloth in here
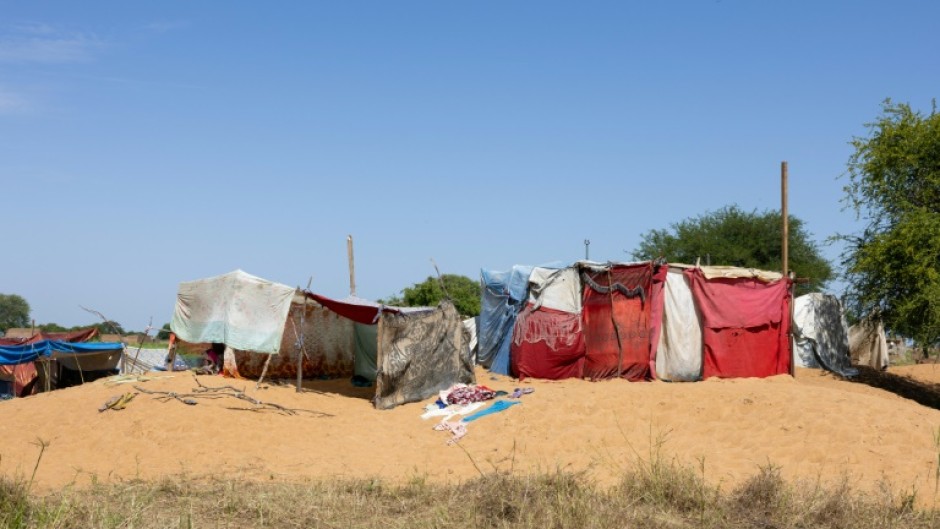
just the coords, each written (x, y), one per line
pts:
(468, 394)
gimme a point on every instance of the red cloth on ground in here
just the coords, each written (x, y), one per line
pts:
(745, 325)
(547, 343)
(617, 327)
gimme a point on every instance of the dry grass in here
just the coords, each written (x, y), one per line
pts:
(654, 494)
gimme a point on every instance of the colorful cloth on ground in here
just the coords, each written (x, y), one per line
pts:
(468, 394)
(457, 430)
(496, 407)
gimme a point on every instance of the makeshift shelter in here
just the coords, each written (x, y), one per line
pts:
(868, 345)
(268, 326)
(87, 361)
(745, 321)
(679, 351)
(363, 316)
(22, 377)
(820, 334)
(238, 309)
(547, 339)
(617, 318)
(420, 354)
(504, 296)
(418, 351)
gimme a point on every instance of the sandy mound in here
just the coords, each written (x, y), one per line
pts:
(813, 426)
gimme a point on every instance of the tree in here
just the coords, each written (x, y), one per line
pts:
(53, 327)
(14, 311)
(164, 333)
(463, 291)
(893, 265)
(732, 236)
(109, 327)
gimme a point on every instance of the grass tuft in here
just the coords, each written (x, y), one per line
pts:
(656, 494)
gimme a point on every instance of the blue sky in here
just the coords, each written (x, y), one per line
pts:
(144, 144)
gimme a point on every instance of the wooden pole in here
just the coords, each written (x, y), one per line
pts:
(352, 266)
(785, 258)
(785, 217)
(300, 341)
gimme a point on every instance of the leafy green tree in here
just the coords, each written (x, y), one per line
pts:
(732, 236)
(109, 327)
(893, 265)
(53, 327)
(164, 333)
(463, 291)
(14, 311)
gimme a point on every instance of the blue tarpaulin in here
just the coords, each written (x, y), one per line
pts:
(504, 295)
(19, 354)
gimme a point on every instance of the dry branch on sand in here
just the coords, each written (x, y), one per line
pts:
(207, 392)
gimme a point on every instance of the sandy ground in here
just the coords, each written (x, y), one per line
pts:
(812, 426)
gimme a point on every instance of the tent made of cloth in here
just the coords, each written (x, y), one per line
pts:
(22, 375)
(420, 354)
(868, 345)
(36, 335)
(745, 324)
(618, 323)
(95, 354)
(360, 310)
(503, 297)
(679, 351)
(821, 335)
(422, 350)
(364, 316)
(547, 339)
(321, 339)
(238, 309)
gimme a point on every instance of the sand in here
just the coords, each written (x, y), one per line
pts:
(813, 426)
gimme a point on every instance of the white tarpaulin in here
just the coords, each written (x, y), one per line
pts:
(732, 272)
(820, 334)
(558, 289)
(679, 355)
(868, 345)
(471, 325)
(240, 310)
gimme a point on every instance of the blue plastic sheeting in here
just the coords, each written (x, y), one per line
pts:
(19, 354)
(496, 407)
(504, 295)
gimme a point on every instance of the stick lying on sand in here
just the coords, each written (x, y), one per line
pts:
(207, 392)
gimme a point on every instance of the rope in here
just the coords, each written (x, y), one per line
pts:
(619, 287)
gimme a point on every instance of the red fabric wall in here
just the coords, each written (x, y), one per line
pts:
(656, 314)
(617, 327)
(745, 325)
(547, 344)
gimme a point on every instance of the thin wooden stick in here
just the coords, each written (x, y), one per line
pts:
(264, 371)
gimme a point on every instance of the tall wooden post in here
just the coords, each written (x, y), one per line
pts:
(785, 258)
(785, 217)
(352, 266)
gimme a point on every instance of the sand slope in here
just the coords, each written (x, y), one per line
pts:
(811, 426)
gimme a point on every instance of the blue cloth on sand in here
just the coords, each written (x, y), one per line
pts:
(496, 407)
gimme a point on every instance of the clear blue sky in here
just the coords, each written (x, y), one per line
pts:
(147, 143)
